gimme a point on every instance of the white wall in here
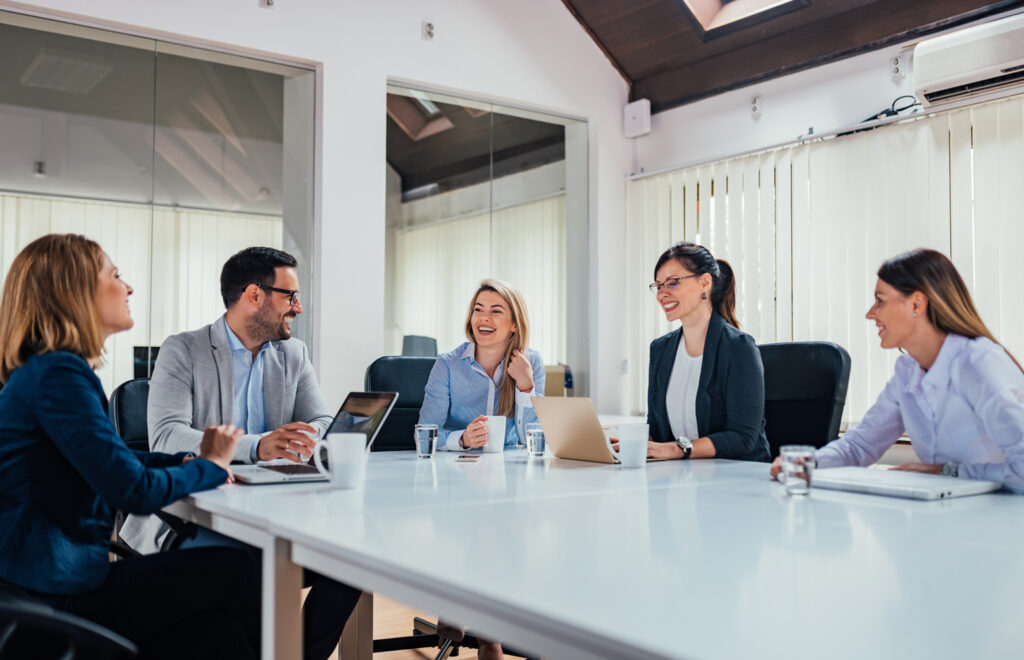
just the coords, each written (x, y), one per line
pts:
(528, 52)
(826, 98)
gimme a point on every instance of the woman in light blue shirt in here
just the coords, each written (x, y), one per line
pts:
(956, 391)
(494, 373)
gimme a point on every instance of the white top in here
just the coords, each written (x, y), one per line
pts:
(681, 395)
(968, 408)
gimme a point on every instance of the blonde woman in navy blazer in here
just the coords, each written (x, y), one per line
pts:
(705, 394)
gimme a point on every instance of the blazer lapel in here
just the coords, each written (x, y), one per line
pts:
(273, 387)
(222, 358)
(707, 368)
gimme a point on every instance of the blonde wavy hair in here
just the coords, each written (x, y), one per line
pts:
(49, 302)
(517, 341)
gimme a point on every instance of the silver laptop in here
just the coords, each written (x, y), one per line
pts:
(361, 412)
(896, 483)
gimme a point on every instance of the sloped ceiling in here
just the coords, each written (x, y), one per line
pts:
(660, 49)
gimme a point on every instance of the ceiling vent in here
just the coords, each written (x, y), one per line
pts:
(64, 71)
(971, 62)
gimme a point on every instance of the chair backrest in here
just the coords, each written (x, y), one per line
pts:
(805, 392)
(419, 345)
(32, 629)
(128, 413)
(406, 375)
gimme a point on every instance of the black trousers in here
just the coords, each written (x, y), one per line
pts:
(328, 604)
(194, 604)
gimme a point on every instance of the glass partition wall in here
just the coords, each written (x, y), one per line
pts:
(478, 190)
(173, 158)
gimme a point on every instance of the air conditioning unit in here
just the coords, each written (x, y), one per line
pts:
(971, 62)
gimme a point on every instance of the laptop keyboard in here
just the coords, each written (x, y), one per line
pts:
(292, 469)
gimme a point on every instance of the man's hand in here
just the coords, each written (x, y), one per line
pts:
(290, 441)
(218, 444)
(475, 434)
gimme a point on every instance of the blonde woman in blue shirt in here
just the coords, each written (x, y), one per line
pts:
(956, 391)
(494, 373)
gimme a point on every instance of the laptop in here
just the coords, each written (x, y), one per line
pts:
(572, 429)
(361, 412)
(896, 483)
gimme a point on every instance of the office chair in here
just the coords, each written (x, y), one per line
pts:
(418, 345)
(32, 629)
(406, 375)
(804, 392)
(128, 414)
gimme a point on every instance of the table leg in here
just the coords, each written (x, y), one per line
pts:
(281, 609)
(357, 638)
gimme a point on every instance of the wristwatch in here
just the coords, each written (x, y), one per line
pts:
(686, 445)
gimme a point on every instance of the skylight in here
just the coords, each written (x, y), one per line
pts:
(714, 18)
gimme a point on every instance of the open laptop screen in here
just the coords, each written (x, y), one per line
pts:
(363, 412)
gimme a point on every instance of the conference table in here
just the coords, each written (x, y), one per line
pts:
(679, 559)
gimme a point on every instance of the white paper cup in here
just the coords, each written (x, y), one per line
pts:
(632, 445)
(495, 434)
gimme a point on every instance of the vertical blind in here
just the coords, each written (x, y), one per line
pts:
(172, 258)
(439, 266)
(806, 227)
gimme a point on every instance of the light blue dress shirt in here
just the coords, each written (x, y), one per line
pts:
(459, 390)
(247, 411)
(968, 408)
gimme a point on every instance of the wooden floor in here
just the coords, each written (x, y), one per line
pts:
(393, 619)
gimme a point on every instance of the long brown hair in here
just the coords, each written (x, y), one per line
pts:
(518, 341)
(49, 301)
(950, 306)
(698, 260)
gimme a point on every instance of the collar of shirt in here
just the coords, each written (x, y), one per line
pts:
(937, 378)
(236, 343)
(469, 353)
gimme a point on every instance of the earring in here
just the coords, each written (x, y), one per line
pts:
(915, 315)
(704, 296)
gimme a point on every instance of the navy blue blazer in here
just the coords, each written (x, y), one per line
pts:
(730, 393)
(63, 470)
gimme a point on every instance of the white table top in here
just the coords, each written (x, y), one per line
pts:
(695, 559)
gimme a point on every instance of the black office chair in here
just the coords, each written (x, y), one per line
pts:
(32, 629)
(419, 345)
(128, 414)
(406, 375)
(805, 385)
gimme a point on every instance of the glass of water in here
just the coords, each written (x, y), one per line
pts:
(534, 440)
(425, 436)
(797, 464)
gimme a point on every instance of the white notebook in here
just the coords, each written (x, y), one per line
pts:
(896, 483)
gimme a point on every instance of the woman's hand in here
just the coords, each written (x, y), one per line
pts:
(475, 434)
(776, 467)
(521, 371)
(218, 444)
(927, 468)
(664, 449)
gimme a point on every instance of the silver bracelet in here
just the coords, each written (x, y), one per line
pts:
(951, 469)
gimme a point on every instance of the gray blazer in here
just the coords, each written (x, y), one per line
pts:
(192, 388)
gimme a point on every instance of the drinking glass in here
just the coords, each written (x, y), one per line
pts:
(797, 464)
(534, 440)
(426, 440)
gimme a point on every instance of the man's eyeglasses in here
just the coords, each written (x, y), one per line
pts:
(670, 283)
(293, 296)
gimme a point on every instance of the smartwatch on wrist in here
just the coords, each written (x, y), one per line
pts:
(686, 445)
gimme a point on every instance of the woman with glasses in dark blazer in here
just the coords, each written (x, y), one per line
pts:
(705, 394)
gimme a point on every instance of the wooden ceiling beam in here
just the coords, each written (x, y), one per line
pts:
(862, 29)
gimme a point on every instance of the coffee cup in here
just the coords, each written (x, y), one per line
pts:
(345, 453)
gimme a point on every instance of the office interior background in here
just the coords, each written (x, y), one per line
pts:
(177, 133)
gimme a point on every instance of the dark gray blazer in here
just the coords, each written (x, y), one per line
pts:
(730, 394)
